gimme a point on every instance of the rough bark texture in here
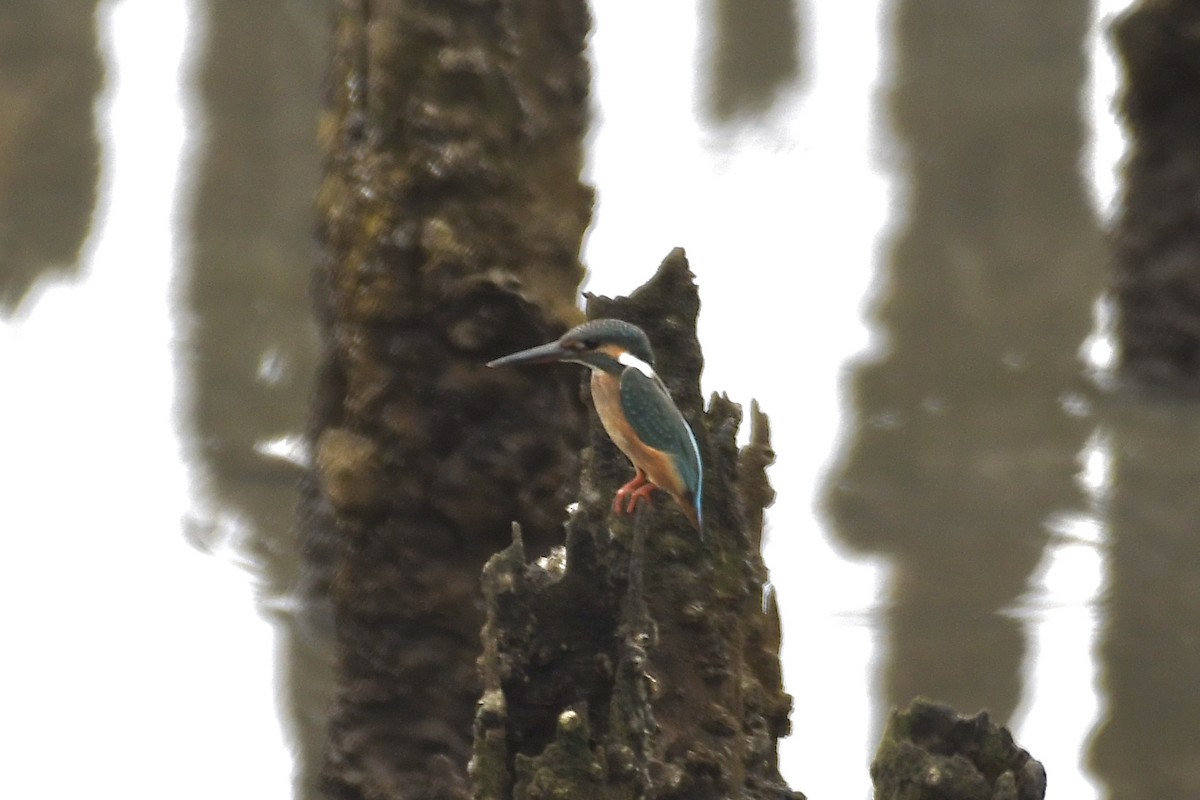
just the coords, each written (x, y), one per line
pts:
(641, 660)
(452, 216)
(930, 753)
(1157, 240)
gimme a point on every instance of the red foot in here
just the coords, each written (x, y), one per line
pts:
(642, 493)
(635, 490)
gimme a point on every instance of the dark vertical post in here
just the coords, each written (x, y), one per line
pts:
(49, 149)
(251, 338)
(1157, 240)
(970, 420)
(752, 56)
(451, 220)
(1146, 748)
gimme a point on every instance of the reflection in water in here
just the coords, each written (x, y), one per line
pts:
(753, 55)
(1148, 746)
(252, 343)
(966, 447)
(49, 75)
(963, 453)
(135, 658)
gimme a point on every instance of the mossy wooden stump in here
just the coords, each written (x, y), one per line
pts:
(930, 753)
(641, 660)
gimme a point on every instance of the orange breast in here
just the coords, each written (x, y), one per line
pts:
(606, 395)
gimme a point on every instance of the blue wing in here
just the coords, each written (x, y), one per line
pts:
(656, 420)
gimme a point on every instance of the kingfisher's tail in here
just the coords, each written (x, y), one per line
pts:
(691, 509)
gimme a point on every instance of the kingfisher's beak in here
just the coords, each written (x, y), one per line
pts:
(542, 354)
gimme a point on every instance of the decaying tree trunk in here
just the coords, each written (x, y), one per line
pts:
(640, 659)
(641, 662)
(928, 752)
(452, 215)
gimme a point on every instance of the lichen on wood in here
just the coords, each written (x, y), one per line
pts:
(451, 219)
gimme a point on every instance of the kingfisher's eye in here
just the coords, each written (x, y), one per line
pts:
(590, 344)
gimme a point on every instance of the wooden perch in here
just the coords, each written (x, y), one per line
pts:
(928, 752)
(641, 660)
(636, 660)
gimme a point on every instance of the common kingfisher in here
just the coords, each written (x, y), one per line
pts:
(635, 409)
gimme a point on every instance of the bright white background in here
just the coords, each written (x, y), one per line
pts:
(173, 662)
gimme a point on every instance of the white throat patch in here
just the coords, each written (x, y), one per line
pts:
(628, 359)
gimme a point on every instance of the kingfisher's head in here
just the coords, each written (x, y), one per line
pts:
(609, 345)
